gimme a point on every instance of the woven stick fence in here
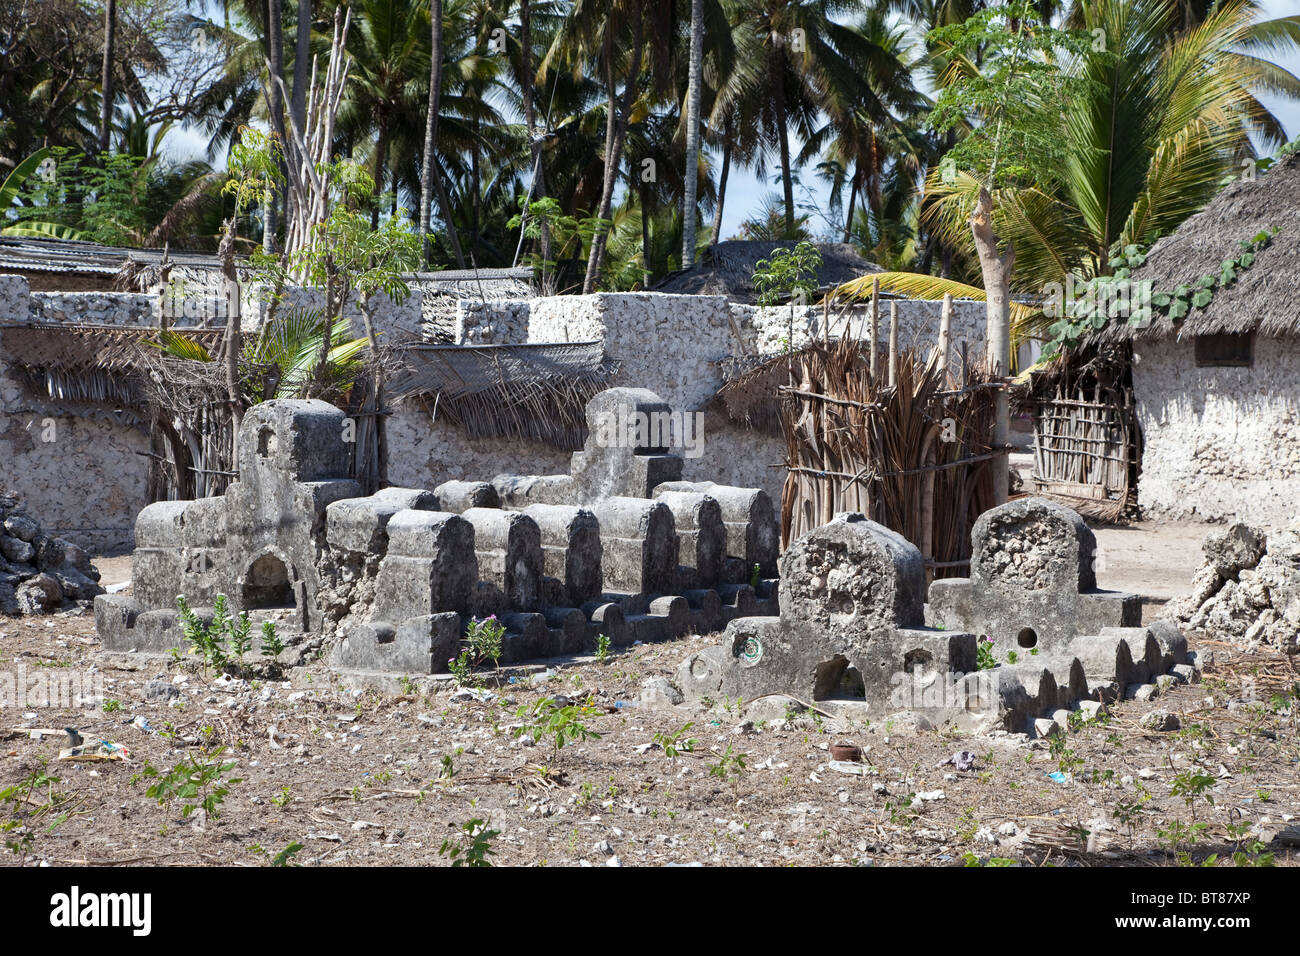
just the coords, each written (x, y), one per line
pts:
(913, 456)
(1085, 448)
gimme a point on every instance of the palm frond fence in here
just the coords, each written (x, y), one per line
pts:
(901, 436)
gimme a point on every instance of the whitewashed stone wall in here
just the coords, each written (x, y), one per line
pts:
(81, 475)
(94, 308)
(1220, 442)
(764, 330)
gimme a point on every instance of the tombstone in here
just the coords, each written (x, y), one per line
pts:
(571, 550)
(459, 496)
(753, 531)
(638, 541)
(293, 463)
(509, 549)
(1032, 582)
(701, 535)
(625, 454)
(851, 624)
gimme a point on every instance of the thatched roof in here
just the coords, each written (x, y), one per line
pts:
(727, 268)
(111, 266)
(538, 392)
(1265, 298)
(85, 363)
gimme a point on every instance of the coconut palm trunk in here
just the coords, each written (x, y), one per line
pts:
(275, 106)
(694, 84)
(615, 135)
(110, 51)
(431, 181)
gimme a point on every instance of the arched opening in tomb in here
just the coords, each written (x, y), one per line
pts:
(837, 678)
(267, 584)
(1027, 638)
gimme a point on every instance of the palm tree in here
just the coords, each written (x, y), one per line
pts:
(1163, 116)
(795, 58)
(693, 92)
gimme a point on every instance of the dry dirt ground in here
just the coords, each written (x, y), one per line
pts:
(362, 777)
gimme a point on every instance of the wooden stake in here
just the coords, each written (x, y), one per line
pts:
(893, 342)
(945, 331)
(875, 325)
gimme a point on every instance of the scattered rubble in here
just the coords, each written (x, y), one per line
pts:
(1247, 590)
(40, 573)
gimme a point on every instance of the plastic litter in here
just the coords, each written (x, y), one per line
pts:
(962, 760)
(78, 749)
(1059, 777)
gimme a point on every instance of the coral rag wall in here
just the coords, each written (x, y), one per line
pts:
(81, 474)
(1220, 442)
(88, 482)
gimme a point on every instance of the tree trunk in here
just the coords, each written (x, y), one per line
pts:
(381, 161)
(783, 135)
(301, 65)
(722, 182)
(110, 51)
(537, 188)
(853, 201)
(230, 279)
(615, 133)
(275, 105)
(694, 83)
(996, 270)
(431, 181)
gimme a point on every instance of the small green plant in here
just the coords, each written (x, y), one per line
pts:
(485, 637)
(112, 706)
(272, 646)
(1066, 759)
(285, 856)
(22, 809)
(603, 645)
(563, 725)
(755, 575)
(472, 846)
(729, 763)
(676, 743)
(199, 782)
(447, 770)
(984, 659)
(284, 797)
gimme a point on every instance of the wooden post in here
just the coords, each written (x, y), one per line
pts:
(893, 342)
(875, 325)
(945, 334)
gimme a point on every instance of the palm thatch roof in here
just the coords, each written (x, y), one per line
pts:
(537, 392)
(85, 364)
(1264, 298)
(727, 268)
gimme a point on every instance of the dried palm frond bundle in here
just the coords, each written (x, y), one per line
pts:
(913, 456)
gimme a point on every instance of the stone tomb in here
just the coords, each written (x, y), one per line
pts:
(387, 581)
(854, 630)
(1032, 582)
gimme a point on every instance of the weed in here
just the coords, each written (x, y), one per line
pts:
(603, 645)
(563, 725)
(199, 782)
(472, 846)
(678, 742)
(729, 763)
